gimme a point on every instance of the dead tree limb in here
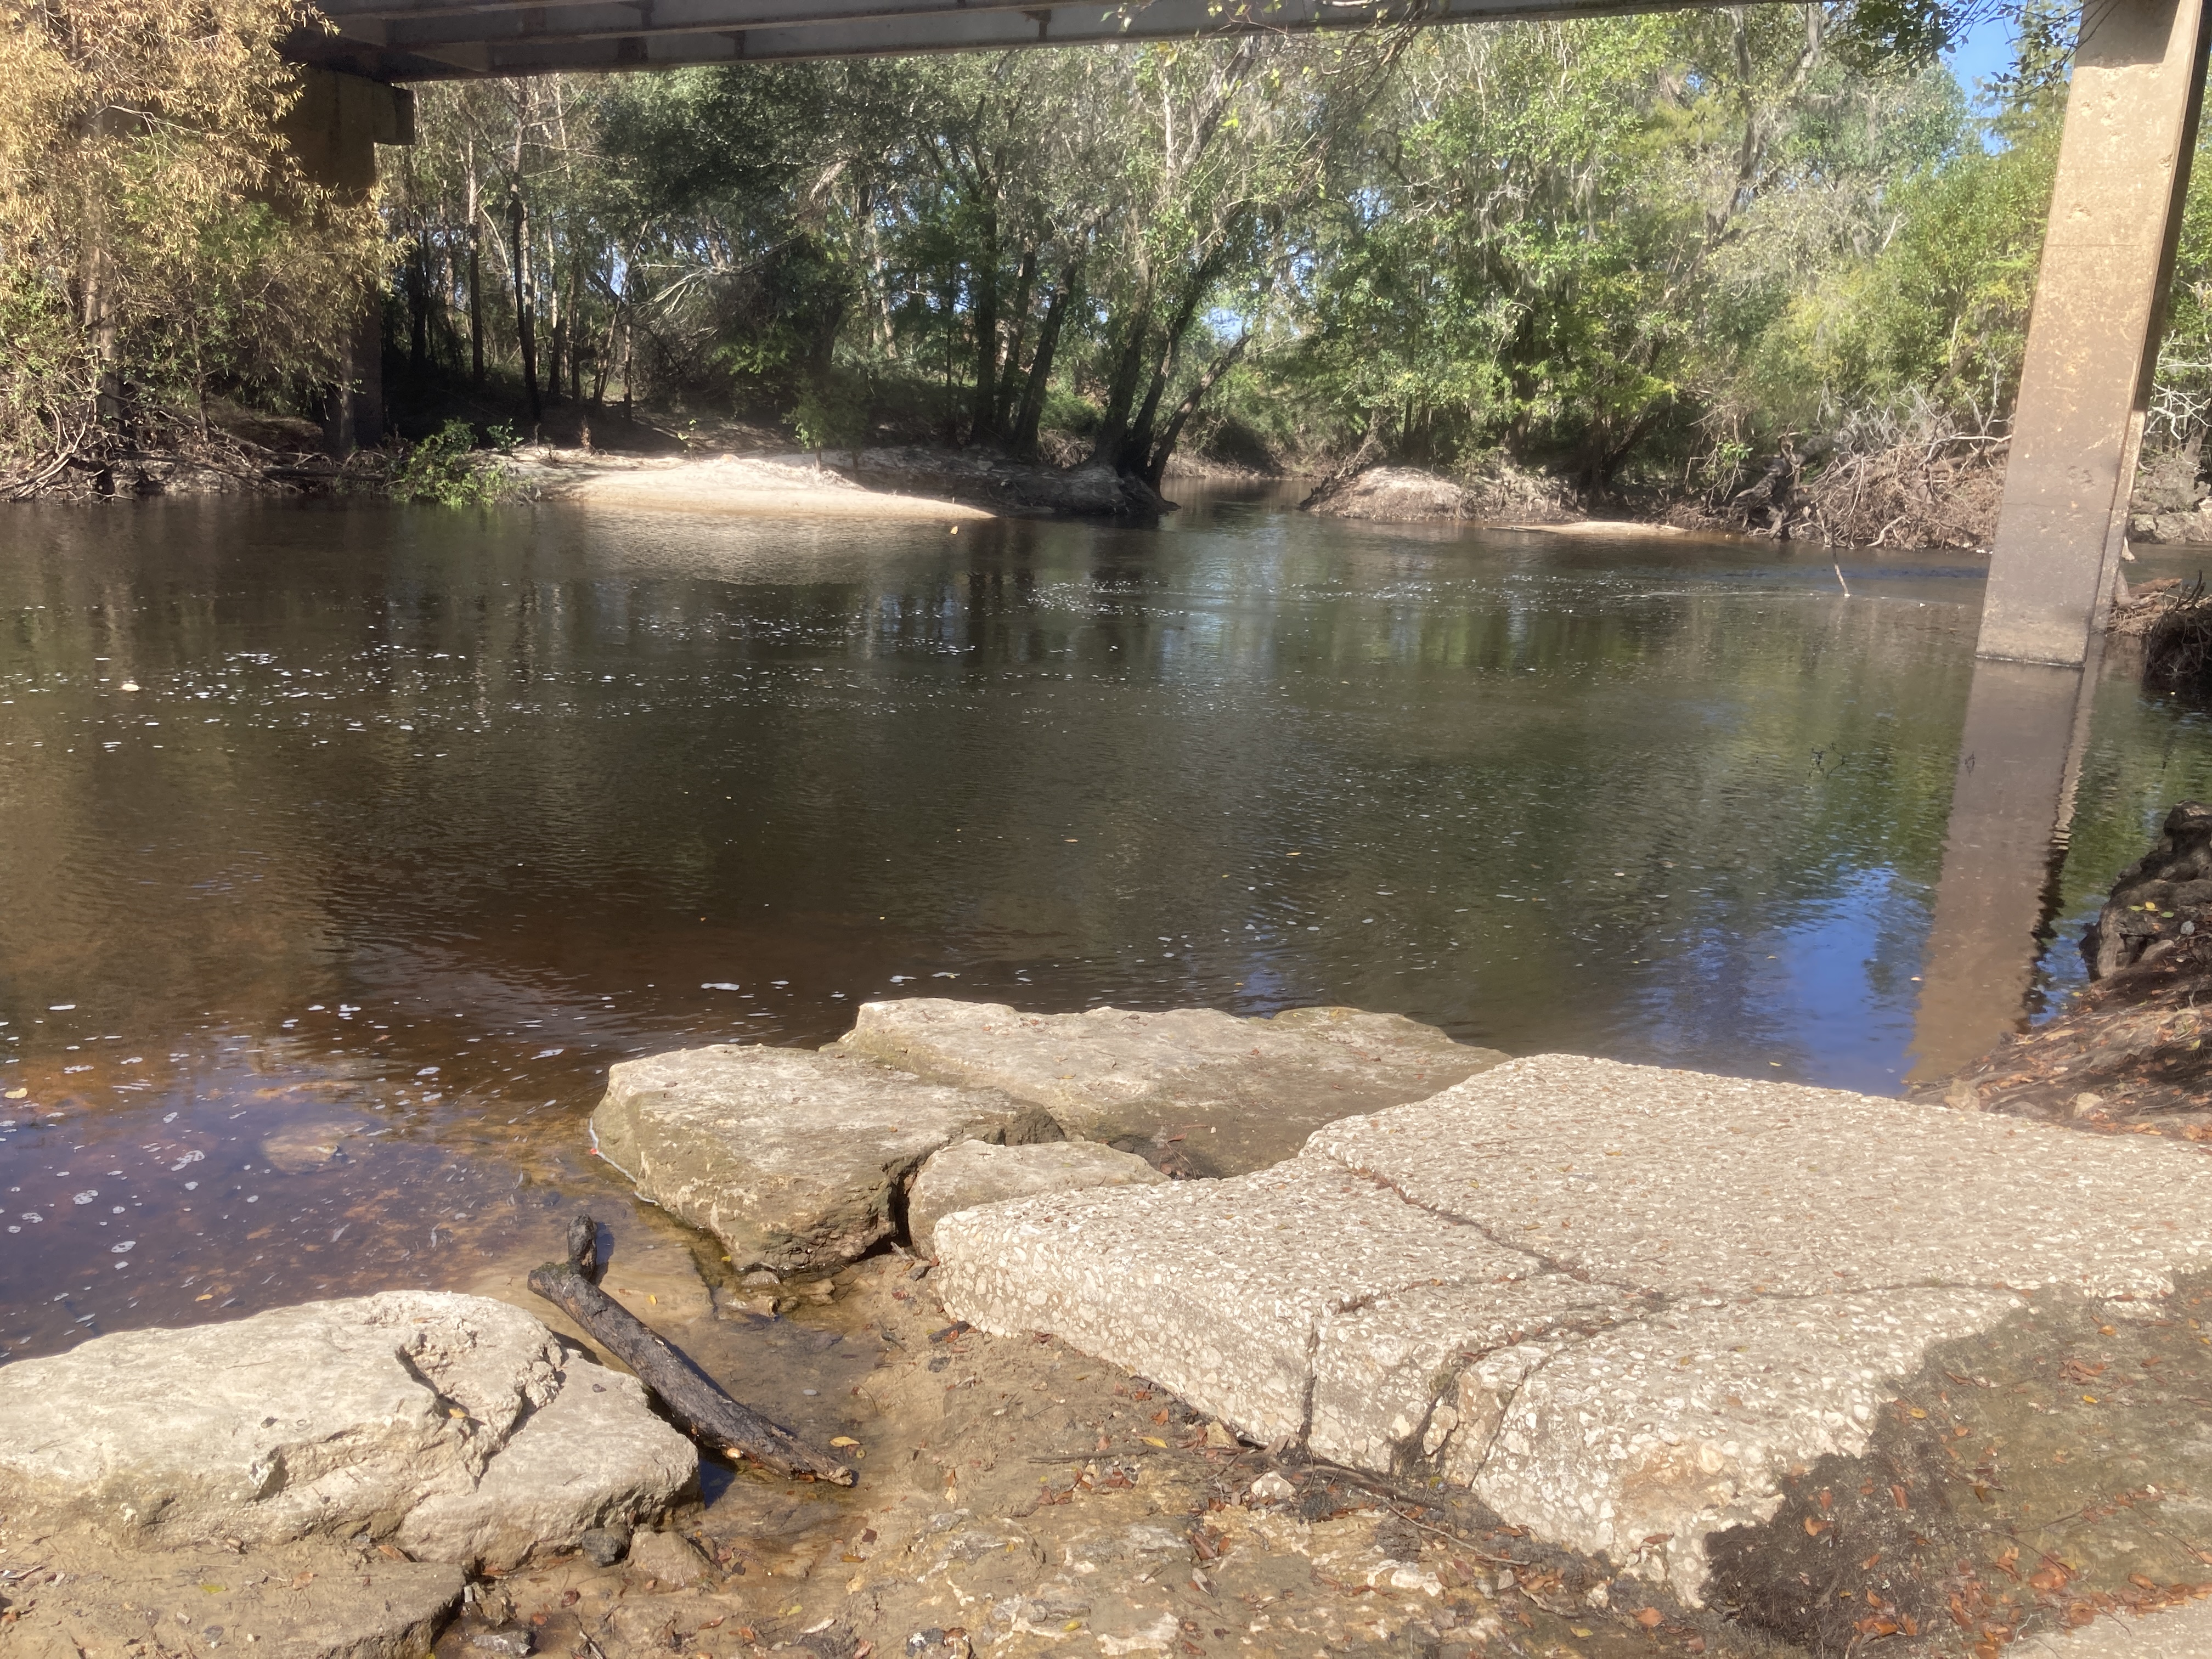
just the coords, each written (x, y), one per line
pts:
(694, 1399)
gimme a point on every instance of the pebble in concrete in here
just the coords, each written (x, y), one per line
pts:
(970, 1173)
(792, 1159)
(1242, 1093)
(1616, 1300)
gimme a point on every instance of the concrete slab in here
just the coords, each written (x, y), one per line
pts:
(1691, 1184)
(1637, 1442)
(1215, 1289)
(1242, 1093)
(792, 1158)
(969, 1174)
(1617, 1301)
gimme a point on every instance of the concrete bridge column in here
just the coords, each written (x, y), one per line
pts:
(334, 130)
(2093, 338)
(2131, 117)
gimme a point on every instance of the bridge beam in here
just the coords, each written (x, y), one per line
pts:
(334, 129)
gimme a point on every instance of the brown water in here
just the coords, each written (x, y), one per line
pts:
(315, 946)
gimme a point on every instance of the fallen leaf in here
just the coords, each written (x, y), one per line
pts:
(1650, 1618)
(1153, 1440)
(842, 1440)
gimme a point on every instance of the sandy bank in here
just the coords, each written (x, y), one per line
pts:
(1602, 528)
(916, 483)
(775, 486)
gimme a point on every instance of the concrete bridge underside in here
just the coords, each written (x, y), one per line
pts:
(2130, 132)
(459, 39)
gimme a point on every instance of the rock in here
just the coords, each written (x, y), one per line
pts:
(1271, 1488)
(971, 1173)
(792, 1159)
(2159, 902)
(1617, 1302)
(669, 1557)
(603, 1547)
(595, 1452)
(1242, 1093)
(310, 1146)
(513, 1641)
(309, 1600)
(456, 1428)
(1406, 494)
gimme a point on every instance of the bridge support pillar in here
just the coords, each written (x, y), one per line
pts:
(2132, 117)
(334, 130)
(2092, 338)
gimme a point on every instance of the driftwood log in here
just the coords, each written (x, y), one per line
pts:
(694, 1399)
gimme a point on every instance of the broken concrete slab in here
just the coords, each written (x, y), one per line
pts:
(455, 1426)
(1637, 1441)
(1216, 1289)
(795, 1160)
(969, 1174)
(314, 1599)
(1244, 1093)
(1617, 1301)
(1377, 1398)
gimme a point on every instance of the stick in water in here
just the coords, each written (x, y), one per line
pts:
(694, 1399)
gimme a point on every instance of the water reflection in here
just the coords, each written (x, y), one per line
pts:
(414, 821)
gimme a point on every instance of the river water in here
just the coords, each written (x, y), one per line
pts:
(342, 847)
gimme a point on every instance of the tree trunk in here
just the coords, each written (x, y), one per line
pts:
(1156, 464)
(418, 301)
(526, 335)
(476, 274)
(1122, 390)
(575, 328)
(98, 284)
(1009, 378)
(556, 335)
(1136, 449)
(1040, 380)
(983, 408)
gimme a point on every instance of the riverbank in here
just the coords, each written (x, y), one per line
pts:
(1943, 495)
(266, 457)
(1726, 1403)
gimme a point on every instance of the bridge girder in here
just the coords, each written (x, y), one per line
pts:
(404, 40)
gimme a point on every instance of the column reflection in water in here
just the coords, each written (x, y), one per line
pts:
(2018, 758)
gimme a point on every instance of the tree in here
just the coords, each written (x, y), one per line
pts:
(158, 245)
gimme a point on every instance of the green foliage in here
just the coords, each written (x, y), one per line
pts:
(831, 414)
(158, 245)
(448, 469)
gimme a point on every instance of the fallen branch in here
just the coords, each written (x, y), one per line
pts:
(694, 1399)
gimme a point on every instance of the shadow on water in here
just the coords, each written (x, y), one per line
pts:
(346, 847)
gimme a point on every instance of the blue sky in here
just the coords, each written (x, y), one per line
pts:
(1986, 50)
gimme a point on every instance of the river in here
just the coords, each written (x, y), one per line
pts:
(344, 847)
